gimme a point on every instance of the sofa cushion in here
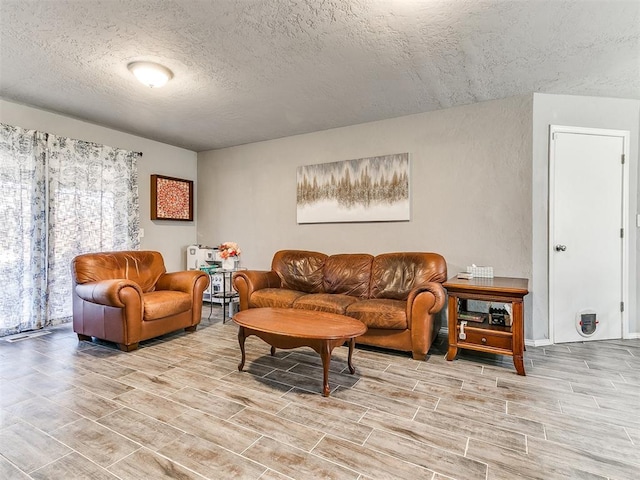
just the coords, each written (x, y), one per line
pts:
(299, 270)
(162, 303)
(394, 275)
(348, 274)
(380, 313)
(274, 297)
(325, 302)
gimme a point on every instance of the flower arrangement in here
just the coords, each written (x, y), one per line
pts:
(229, 249)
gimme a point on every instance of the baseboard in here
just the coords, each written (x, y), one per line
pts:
(632, 336)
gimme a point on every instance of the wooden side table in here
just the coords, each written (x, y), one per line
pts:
(485, 337)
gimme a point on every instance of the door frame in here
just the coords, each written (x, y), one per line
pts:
(625, 135)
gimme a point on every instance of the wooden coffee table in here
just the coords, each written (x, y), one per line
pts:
(293, 328)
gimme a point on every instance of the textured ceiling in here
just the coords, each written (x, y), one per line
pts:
(250, 70)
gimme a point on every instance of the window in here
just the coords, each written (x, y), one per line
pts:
(61, 197)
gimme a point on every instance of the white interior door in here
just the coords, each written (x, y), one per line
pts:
(585, 234)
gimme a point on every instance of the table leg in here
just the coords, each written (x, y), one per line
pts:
(224, 297)
(453, 325)
(273, 351)
(325, 354)
(352, 343)
(517, 329)
(210, 295)
(241, 337)
(518, 362)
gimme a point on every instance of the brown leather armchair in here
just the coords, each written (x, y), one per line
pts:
(126, 297)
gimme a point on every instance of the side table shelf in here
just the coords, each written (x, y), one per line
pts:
(482, 336)
(225, 295)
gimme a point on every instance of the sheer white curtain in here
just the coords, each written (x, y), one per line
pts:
(66, 197)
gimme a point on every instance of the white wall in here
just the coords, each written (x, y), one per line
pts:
(470, 189)
(169, 238)
(577, 111)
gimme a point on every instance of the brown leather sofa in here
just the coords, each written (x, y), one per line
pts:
(126, 297)
(396, 295)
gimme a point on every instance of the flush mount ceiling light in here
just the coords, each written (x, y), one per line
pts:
(150, 74)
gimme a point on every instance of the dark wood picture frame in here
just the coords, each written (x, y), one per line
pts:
(171, 198)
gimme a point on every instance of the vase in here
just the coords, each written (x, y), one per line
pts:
(230, 263)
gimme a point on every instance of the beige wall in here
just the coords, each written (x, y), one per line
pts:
(170, 238)
(470, 189)
(590, 112)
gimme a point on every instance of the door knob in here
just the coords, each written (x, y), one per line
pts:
(561, 248)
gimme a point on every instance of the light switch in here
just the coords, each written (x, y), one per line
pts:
(141, 234)
(638, 220)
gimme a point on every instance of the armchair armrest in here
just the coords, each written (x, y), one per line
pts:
(111, 293)
(248, 281)
(183, 281)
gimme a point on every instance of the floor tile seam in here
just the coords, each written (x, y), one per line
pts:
(28, 473)
(598, 423)
(267, 471)
(154, 452)
(434, 429)
(112, 431)
(630, 438)
(262, 433)
(53, 439)
(68, 454)
(40, 429)
(492, 423)
(108, 378)
(470, 433)
(218, 445)
(478, 395)
(531, 398)
(430, 469)
(370, 449)
(173, 427)
(435, 398)
(519, 381)
(587, 467)
(488, 395)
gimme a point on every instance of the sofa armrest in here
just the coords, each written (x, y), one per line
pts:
(111, 293)
(248, 281)
(434, 288)
(184, 281)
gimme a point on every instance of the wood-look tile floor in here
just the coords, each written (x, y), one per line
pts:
(178, 408)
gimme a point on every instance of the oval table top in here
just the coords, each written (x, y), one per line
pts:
(294, 322)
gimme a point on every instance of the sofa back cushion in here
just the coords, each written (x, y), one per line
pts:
(348, 274)
(394, 275)
(299, 270)
(141, 267)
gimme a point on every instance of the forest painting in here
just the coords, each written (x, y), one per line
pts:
(374, 189)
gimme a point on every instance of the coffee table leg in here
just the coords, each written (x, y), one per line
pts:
(273, 351)
(325, 354)
(241, 337)
(352, 343)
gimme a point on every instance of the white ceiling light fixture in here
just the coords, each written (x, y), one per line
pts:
(150, 74)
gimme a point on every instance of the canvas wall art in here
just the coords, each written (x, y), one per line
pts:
(171, 198)
(373, 189)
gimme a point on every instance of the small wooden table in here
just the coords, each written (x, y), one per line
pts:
(292, 328)
(484, 337)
